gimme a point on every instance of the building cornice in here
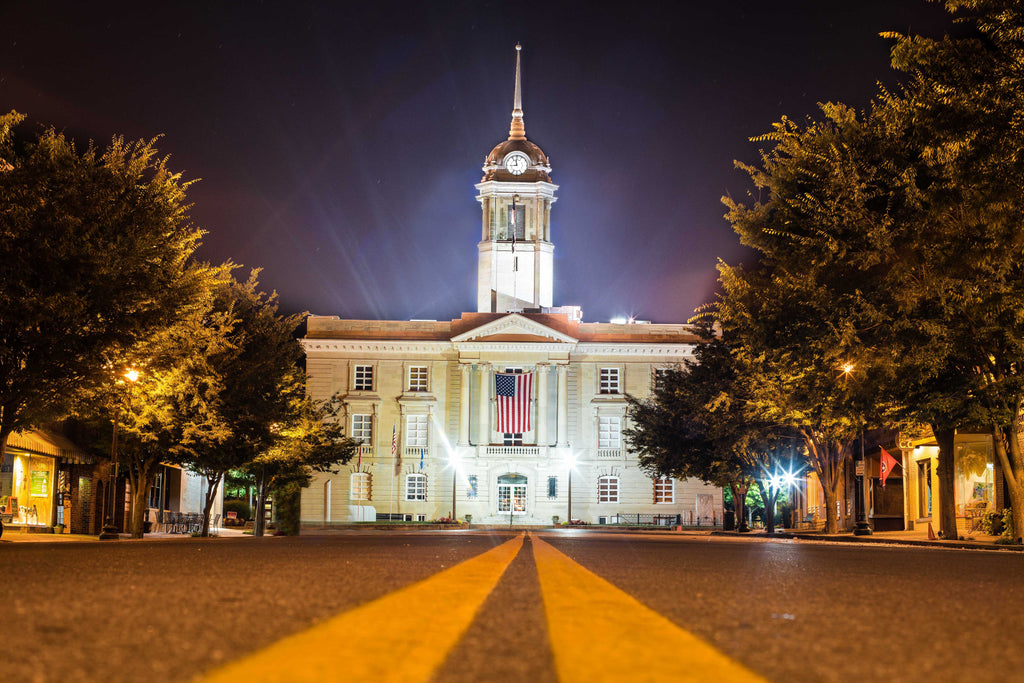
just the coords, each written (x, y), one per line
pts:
(635, 349)
(535, 347)
(396, 347)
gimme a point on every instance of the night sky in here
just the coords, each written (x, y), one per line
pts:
(338, 143)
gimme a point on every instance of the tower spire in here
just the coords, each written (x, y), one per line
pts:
(517, 131)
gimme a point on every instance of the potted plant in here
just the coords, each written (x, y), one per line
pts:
(58, 528)
(469, 519)
(554, 520)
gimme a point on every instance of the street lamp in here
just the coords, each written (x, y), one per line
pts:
(109, 530)
(861, 527)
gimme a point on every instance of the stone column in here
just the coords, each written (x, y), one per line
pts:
(467, 377)
(485, 404)
(542, 405)
(563, 406)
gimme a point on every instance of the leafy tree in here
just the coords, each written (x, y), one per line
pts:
(963, 283)
(313, 440)
(94, 245)
(172, 410)
(259, 383)
(800, 318)
(698, 424)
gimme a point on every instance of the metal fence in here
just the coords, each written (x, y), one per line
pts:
(638, 519)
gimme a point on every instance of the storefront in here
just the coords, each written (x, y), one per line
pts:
(35, 479)
(26, 488)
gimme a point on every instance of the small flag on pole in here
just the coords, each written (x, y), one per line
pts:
(514, 392)
(423, 451)
(885, 465)
(394, 448)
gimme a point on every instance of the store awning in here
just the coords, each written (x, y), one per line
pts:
(45, 442)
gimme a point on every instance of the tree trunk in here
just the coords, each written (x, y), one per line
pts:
(945, 436)
(1010, 453)
(140, 488)
(831, 494)
(769, 508)
(212, 482)
(261, 500)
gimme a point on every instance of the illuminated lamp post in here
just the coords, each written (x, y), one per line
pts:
(109, 530)
(861, 527)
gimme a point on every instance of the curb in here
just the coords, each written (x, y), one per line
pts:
(878, 540)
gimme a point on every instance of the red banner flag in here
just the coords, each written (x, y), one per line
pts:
(885, 465)
(513, 392)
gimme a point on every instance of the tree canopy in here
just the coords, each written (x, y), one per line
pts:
(94, 252)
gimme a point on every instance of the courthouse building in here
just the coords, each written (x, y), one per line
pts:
(512, 413)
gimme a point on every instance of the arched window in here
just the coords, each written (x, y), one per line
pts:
(415, 487)
(664, 490)
(608, 490)
(359, 486)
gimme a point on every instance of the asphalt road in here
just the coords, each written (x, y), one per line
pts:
(787, 611)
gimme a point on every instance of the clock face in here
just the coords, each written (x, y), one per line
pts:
(516, 164)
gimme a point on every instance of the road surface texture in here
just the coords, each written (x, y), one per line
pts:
(489, 606)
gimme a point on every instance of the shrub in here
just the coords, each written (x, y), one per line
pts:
(992, 523)
(240, 507)
(287, 500)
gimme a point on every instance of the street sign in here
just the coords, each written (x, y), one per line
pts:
(860, 468)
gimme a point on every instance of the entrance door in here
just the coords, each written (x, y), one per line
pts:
(512, 494)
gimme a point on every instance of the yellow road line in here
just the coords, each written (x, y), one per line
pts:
(403, 636)
(600, 633)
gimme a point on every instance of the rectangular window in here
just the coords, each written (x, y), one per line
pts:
(664, 490)
(609, 381)
(416, 487)
(416, 431)
(360, 486)
(660, 378)
(363, 378)
(418, 378)
(608, 490)
(609, 432)
(362, 428)
(471, 492)
(552, 487)
(156, 492)
(515, 439)
(517, 222)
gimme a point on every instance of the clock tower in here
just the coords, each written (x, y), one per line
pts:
(516, 257)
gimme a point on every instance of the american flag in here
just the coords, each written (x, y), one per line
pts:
(514, 392)
(394, 448)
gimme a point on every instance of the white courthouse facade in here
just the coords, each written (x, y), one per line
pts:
(422, 396)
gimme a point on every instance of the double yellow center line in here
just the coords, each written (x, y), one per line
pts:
(597, 631)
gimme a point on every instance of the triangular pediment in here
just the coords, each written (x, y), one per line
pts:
(514, 327)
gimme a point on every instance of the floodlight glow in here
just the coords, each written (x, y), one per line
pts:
(132, 375)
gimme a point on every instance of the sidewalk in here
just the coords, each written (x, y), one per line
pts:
(25, 537)
(918, 537)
